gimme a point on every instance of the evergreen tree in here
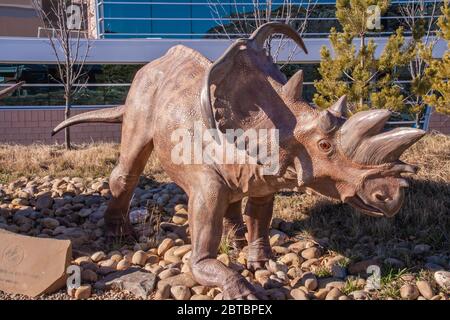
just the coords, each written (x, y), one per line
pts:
(353, 69)
(438, 71)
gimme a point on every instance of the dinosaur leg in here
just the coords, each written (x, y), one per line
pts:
(258, 214)
(233, 225)
(207, 207)
(134, 153)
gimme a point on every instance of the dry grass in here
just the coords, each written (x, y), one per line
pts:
(90, 160)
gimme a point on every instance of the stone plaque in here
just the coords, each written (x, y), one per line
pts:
(32, 266)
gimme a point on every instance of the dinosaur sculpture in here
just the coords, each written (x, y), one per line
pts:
(5, 92)
(347, 159)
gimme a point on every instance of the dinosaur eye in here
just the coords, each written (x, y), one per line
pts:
(324, 145)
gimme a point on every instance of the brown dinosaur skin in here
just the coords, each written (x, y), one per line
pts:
(5, 92)
(317, 150)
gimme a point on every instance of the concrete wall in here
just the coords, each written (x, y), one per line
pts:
(34, 126)
(439, 122)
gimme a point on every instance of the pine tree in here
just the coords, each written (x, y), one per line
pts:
(353, 70)
(438, 71)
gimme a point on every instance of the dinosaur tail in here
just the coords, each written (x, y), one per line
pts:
(9, 90)
(110, 115)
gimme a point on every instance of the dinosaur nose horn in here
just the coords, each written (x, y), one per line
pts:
(388, 146)
(360, 126)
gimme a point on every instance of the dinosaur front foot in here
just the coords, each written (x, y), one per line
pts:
(118, 230)
(259, 253)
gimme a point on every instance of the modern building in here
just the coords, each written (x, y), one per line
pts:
(126, 34)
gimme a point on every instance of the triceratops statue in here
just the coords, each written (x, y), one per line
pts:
(352, 160)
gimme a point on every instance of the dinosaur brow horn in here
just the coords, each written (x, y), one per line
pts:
(260, 35)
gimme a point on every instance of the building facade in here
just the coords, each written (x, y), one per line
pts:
(127, 34)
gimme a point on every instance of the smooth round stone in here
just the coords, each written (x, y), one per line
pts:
(163, 292)
(311, 253)
(170, 257)
(98, 256)
(49, 223)
(280, 250)
(89, 276)
(359, 295)
(442, 279)
(201, 297)
(83, 292)
(276, 266)
(409, 292)
(139, 258)
(84, 259)
(299, 294)
(165, 245)
(333, 294)
(182, 250)
(180, 292)
(321, 294)
(168, 273)
(291, 259)
(224, 258)
(116, 257)
(425, 289)
(180, 219)
(152, 258)
(199, 290)
(123, 265)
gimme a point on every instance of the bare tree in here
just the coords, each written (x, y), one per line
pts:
(419, 18)
(241, 24)
(67, 22)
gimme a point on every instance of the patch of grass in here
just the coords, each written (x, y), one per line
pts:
(85, 160)
(226, 242)
(322, 272)
(390, 283)
(350, 286)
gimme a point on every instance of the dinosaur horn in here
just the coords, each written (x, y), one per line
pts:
(388, 146)
(7, 91)
(260, 35)
(361, 126)
(339, 108)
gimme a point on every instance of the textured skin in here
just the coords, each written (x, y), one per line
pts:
(5, 92)
(247, 91)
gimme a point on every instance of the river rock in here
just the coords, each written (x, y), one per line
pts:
(182, 279)
(311, 253)
(83, 292)
(409, 292)
(425, 289)
(165, 245)
(442, 279)
(180, 292)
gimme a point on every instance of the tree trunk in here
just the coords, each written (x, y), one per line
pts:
(67, 116)
(418, 116)
(362, 51)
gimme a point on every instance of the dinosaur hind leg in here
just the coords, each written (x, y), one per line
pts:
(233, 225)
(135, 150)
